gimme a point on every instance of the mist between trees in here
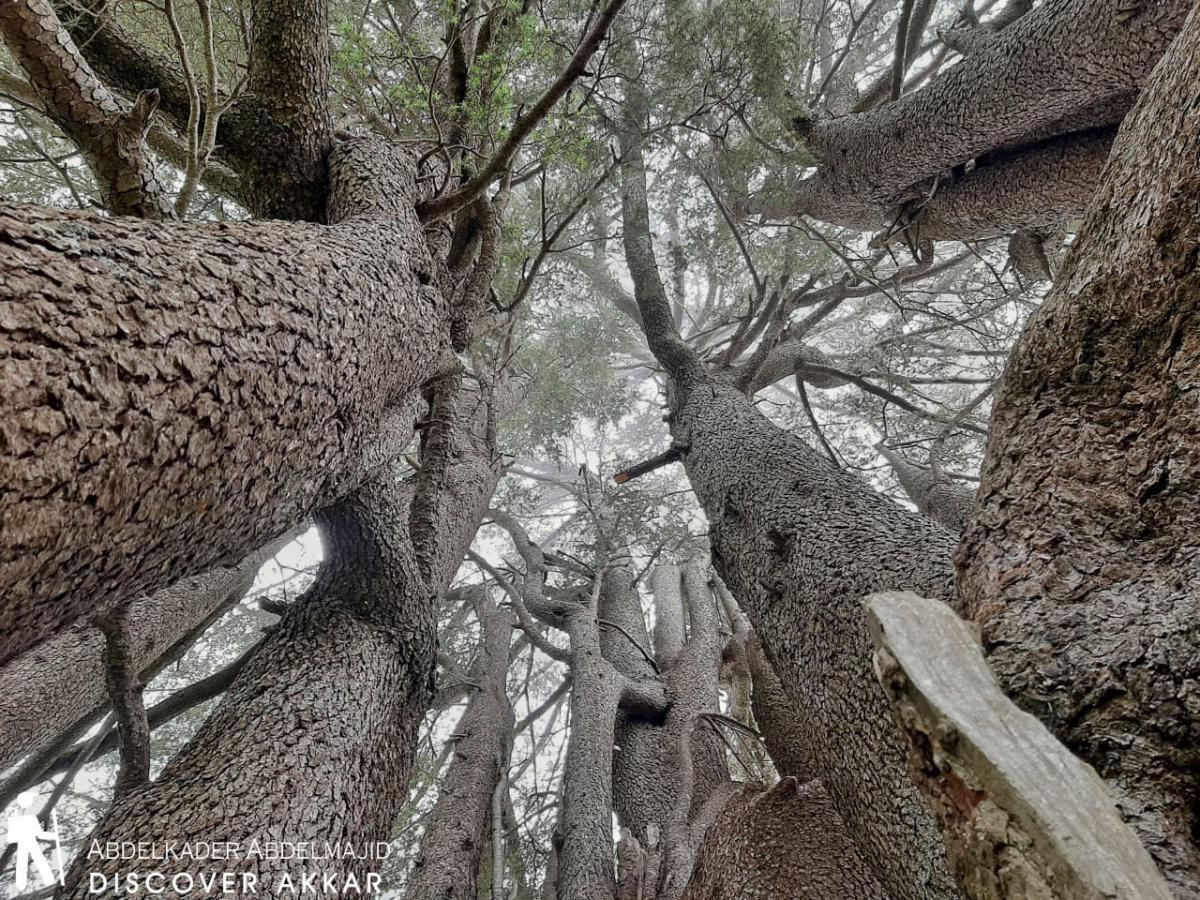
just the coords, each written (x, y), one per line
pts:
(623, 450)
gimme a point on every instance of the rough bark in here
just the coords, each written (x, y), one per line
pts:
(126, 694)
(1081, 562)
(782, 843)
(149, 367)
(585, 846)
(1043, 186)
(1063, 56)
(337, 690)
(781, 726)
(799, 543)
(1023, 817)
(664, 769)
(452, 847)
(46, 691)
(933, 491)
(111, 137)
(278, 134)
(642, 792)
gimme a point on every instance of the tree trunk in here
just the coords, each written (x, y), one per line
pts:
(585, 853)
(278, 135)
(1081, 561)
(48, 690)
(1064, 56)
(140, 427)
(799, 543)
(337, 690)
(456, 830)
(781, 843)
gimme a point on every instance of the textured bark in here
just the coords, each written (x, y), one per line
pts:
(661, 783)
(1061, 57)
(1022, 816)
(46, 691)
(126, 693)
(1043, 186)
(337, 690)
(150, 367)
(697, 761)
(277, 136)
(642, 786)
(933, 491)
(1081, 562)
(111, 137)
(779, 723)
(457, 827)
(289, 124)
(785, 843)
(585, 845)
(799, 543)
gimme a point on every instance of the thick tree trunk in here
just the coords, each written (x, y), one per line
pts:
(1081, 562)
(47, 691)
(799, 543)
(173, 395)
(336, 691)
(782, 843)
(278, 134)
(1062, 57)
(585, 851)
(452, 848)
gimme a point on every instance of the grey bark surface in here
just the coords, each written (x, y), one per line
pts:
(46, 691)
(1061, 57)
(585, 847)
(455, 838)
(1081, 563)
(110, 136)
(277, 136)
(782, 843)
(798, 543)
(338, 689)
(139, 359)
(1023, 816)
(933, 491)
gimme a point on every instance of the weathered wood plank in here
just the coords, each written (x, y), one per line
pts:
(1022, 816)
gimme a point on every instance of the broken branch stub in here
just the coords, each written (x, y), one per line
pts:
(1022, 816)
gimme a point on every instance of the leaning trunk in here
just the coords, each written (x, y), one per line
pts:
(149, 367)
(452, 848)
(338, 689)
(1081, 561)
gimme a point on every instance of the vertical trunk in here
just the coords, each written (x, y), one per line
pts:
(585, 854)
(1081, 562)
(455, 838)
(337, 690)
(799, 543)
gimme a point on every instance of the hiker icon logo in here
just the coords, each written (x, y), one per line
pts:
(26, 835)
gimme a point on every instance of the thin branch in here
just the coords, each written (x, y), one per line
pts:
(450, 203)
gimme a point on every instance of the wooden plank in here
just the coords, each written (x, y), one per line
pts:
(1022, 815)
